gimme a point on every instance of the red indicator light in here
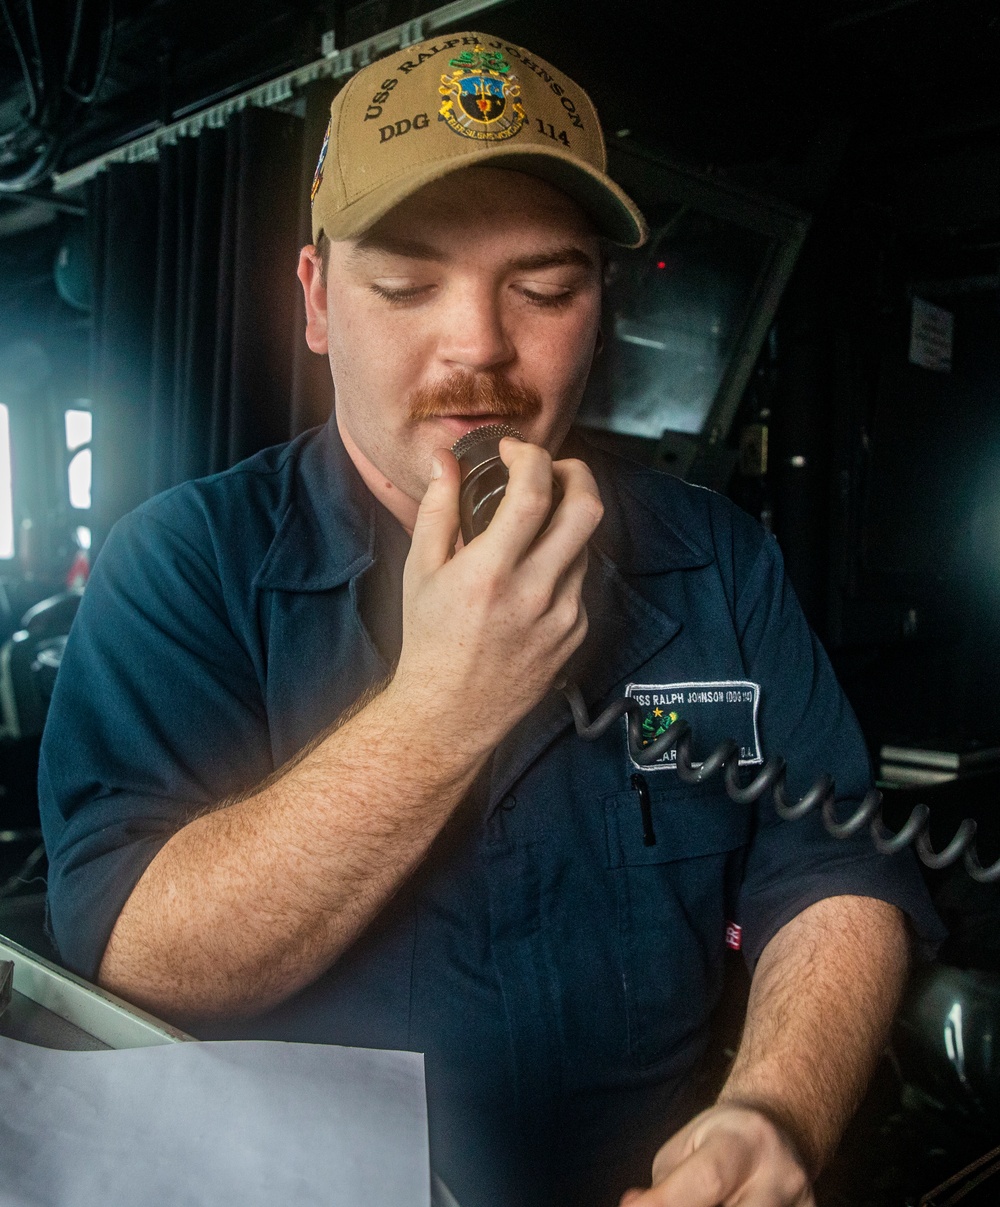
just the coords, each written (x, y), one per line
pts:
(661, 263)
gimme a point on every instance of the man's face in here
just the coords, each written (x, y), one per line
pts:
(476, 298)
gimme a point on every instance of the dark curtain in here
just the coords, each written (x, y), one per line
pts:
(198, 351)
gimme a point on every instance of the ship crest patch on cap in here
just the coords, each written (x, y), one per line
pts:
(481, 97)
(318, 177)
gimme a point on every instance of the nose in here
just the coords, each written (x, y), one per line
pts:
(475, 336)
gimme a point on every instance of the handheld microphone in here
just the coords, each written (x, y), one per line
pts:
(484, 475)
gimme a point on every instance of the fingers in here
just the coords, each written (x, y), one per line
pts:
(708, 1177)
(548, 582)
(676, 1149)
(576, 518)
(527, 503)
(722, 1158)
(436, 529)
(565, 608)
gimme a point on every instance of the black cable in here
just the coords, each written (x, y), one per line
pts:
(478, 457)
(725, 758)
(45, 145)
(52, 126)
(74, 43)
(106, 44)
(29, 81)
(963, 1176)
(45, 93)
(20, 877)
(35, 171)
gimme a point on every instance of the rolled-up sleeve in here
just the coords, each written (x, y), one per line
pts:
(806, 718)
(157, 714)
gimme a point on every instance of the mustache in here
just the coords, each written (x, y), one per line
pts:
(475, 394)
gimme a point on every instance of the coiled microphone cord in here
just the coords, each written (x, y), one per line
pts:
(484, 481)
(725, 758)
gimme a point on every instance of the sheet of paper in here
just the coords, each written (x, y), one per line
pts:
(253, 1123)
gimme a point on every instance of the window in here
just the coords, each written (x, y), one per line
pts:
(6, 494)
(79, 430)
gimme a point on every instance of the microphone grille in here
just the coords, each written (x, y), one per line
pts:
(489, 431)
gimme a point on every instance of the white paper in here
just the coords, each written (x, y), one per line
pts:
(253, 1123)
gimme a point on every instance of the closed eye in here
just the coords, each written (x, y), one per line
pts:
(546, 296)
(398, 294)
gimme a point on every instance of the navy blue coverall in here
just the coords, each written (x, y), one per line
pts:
(556, 967)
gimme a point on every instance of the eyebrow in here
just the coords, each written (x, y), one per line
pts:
(413, 249)
(563, 257)
(397, 245)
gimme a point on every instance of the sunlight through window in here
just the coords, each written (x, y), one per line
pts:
(79, 428)
(6, 495)
(79, 433)
(79, 480)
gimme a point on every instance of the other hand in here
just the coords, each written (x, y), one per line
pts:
(728, 1156)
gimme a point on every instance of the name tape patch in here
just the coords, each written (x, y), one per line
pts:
(716, 711)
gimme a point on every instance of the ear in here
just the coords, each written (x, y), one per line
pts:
(314, 293)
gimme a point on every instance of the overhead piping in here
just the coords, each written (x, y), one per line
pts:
(335, 64)
(36, 143)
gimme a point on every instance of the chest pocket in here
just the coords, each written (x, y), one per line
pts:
(674, 898)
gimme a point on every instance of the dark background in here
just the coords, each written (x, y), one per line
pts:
(880, 120)
(174, 311)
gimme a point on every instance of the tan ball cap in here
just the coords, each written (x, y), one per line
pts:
(459, 101)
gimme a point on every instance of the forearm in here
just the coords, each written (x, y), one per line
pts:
(821, 1004)
(250, 902)
(253, 901)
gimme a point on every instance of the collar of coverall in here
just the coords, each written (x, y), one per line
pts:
(327, 535)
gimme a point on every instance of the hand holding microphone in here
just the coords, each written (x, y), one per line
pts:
(490, 626)
(485, 477)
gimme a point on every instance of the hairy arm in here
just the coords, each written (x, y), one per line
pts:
(252, 901)
(821, 1003)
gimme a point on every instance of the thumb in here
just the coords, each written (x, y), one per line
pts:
(437, 525)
